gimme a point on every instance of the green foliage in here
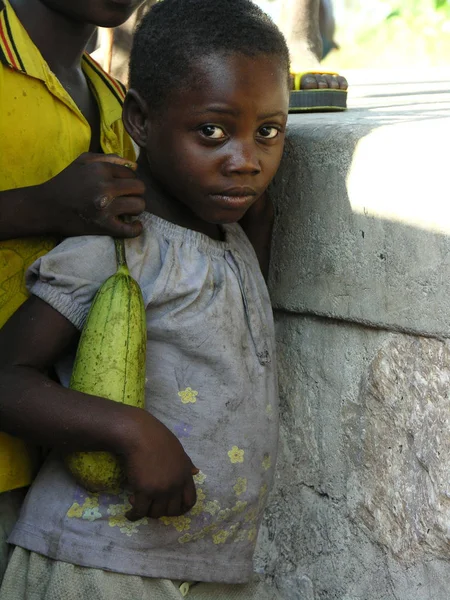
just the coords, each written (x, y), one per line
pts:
(441, 3)
(444, 6)
(392, 33)
(394, 13)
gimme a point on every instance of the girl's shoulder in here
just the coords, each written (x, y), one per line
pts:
(168, 261)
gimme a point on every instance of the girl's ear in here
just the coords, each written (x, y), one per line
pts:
(135, 117)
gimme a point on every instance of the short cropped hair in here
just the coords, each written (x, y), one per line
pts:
(175, 34)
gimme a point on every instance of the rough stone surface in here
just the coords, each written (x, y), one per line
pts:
(360, 284)
(360, 509)
(400, 483)
(308, 532)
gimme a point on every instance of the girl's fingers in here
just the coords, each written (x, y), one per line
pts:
(113, 159)
(159, 508)
(141, 507)
(118, 228)
(126, 188)
(120, 205)
(189, 495)
(174, 506)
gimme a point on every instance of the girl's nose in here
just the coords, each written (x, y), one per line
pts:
(243, 159)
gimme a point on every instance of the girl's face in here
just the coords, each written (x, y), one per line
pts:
(218, 142)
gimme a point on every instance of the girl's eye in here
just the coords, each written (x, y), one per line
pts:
(213, 132)
(268, 132)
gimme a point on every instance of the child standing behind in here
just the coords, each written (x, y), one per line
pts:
(59, 115)
(208, 108)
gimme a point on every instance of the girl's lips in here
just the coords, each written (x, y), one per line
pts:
(232, 201)
(240, 191)
(234, 197)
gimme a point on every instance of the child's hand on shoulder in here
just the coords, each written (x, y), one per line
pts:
(92, 195)
(159, 471)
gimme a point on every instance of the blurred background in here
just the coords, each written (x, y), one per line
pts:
(360, 37)
(383, 34)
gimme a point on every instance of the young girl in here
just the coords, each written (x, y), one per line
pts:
(208, 107)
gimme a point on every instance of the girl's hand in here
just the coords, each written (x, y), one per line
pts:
(158, 471)
(91, 195)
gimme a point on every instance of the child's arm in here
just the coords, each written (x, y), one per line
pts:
(34, 407)
(258, 224)
(88, 197)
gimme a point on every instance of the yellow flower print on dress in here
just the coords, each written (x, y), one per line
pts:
(129, 528)
(117, 521)
(91, 502)
(125, 526)
(75, 511)
(88, 510)
(251, 515)
(198, 506)
(224, 514)
(91, 514)
(199, 478)
(241, 486)
(236, 455)
(200, 495)
(187, 537)
(180, 523)
(212, 507)
(263, 491)
(239, 506)
(197, 509)
(204, 532)
(95, 507)
(241, 536)
(116, 510)
(267, 462)
(252, 533)
(220, 537)
(188, 395)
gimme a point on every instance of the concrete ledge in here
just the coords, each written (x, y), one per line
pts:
(363, 203)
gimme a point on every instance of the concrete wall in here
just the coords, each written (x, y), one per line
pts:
(360, 282)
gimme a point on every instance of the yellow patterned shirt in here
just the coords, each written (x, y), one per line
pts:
(41, 132)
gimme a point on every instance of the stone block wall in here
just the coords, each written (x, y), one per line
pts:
(360, 282)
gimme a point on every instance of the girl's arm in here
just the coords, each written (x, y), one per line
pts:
(258, 224)
(34, 407)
